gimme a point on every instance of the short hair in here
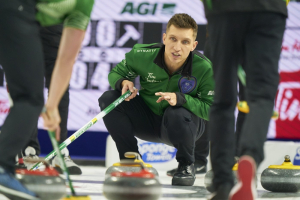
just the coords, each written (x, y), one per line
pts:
(182, 20)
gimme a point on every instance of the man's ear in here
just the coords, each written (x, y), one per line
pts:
(195, 45)
(164, 37)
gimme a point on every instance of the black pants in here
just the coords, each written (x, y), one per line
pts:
(50, 37)
(178, 127)
(254, 38)
(240, 119)
(202, 144)
(202, 147)
(22, 60)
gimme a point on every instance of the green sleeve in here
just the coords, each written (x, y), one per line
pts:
(200, 105)
(123, 70)
(80, 17)
(73, 13)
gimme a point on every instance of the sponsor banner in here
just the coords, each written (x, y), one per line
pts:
(156, 152)
(288, 106)
(287, 126)
(147, 10)
(287, 102)
(160, 156)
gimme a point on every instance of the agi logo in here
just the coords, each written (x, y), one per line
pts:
(168, 9)
(156, 152)
(146, 8)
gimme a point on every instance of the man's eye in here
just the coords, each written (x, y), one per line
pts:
(173, 39)
(185, 42)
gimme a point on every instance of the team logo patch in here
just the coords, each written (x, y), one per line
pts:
(187, 84)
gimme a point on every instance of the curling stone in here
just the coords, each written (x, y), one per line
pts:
(130, 166)
(47, 184)
(281, 178)
(139, 185)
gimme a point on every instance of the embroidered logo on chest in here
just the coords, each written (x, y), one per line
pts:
(151, 78)
(187, 84)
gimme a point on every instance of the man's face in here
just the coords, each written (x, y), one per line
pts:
(178, 44)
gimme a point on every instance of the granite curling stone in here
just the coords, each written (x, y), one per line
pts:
(130, 166)
(47, 184)
(281, 178)
(140, 185)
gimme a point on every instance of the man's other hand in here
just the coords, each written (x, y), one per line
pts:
(170, 97)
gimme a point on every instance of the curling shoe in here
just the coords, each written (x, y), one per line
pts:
(185, 175)
(72, 167)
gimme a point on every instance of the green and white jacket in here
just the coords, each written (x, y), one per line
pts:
(193, 83)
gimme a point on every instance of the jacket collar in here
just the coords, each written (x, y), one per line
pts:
(185, 70)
